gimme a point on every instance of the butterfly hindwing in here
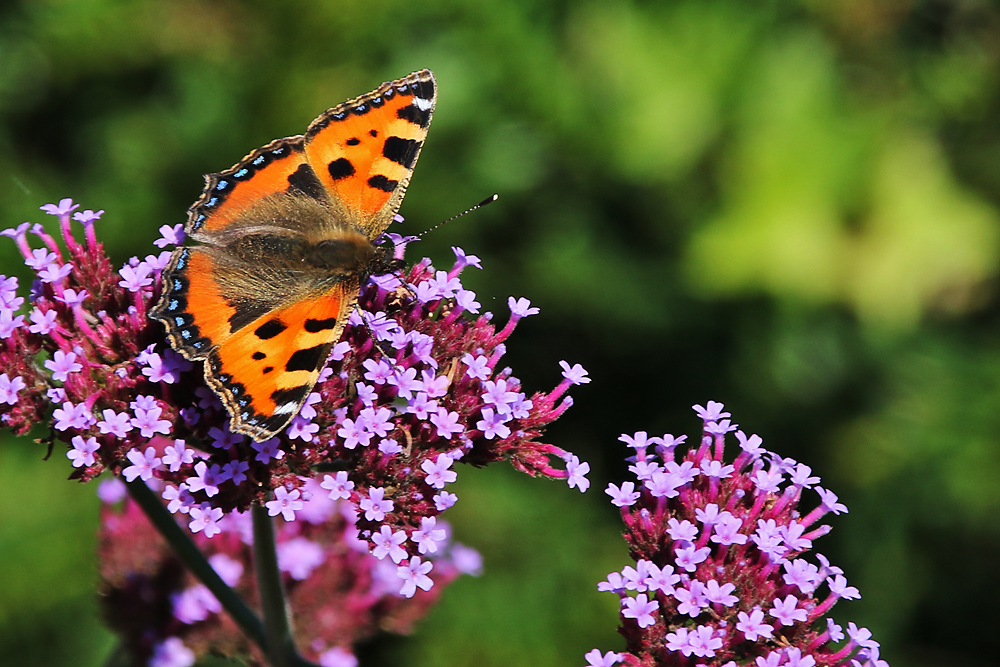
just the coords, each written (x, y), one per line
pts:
(192, 307)
(263, 347)
(241, 272)
(265, 371)
(363, 151)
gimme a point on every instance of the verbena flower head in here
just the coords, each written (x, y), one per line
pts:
(338, 592)
(722, 572)
(384, 428)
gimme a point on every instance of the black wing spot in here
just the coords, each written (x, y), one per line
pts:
(401, 151)
(258, 355)
(270, 329)
(353, 141)
(247, 311)
(308, 359)
(380, 182)
(290, 395)
(424, 89)
(267, 369)
(374, 133)
(315, 326)
(414, 115)
(304, 180)
(340, 168)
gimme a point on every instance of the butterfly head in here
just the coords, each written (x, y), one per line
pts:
(384, 259)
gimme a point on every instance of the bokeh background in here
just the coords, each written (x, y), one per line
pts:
(791, 207)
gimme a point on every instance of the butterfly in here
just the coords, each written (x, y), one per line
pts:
(284, 243)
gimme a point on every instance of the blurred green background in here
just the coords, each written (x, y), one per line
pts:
(791, 207)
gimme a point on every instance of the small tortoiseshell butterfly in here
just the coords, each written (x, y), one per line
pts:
(284, 244)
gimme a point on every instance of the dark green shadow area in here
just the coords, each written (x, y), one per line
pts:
(48, 525)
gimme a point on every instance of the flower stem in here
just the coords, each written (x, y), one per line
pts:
(195, 561)
(281, 644)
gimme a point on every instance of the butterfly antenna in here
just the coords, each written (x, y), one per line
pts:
(385, 353)
(488, 200)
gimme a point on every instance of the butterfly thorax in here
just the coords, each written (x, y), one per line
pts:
(384, 260)
(349, 252)
(296, 233)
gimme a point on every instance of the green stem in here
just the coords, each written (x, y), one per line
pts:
(195, 560)
(277, 623)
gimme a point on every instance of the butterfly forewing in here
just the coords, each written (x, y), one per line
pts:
(364, 150)
(278, 167)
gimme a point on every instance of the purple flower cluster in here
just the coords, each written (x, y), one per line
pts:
(720, 575)
(338, 592)
(393, 414)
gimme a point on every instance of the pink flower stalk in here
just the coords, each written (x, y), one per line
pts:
(721, 575)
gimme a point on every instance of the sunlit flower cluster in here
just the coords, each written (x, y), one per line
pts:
(413, 387)
(721, 576)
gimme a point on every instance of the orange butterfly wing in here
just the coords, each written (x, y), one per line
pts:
(222, 303)
(276, 167)
(363, 151)
(268, 368)
(262, 356)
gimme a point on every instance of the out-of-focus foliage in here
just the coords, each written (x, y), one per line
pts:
(792, 207)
